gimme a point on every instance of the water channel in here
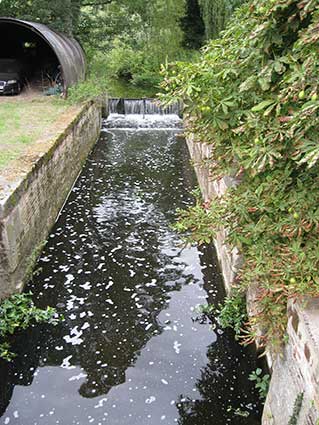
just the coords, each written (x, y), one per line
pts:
(132, 349)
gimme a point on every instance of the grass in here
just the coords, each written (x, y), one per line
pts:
(24, 121)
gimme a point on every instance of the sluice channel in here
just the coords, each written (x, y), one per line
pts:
(133, 348)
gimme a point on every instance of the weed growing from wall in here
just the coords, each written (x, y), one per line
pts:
(297, 408)
(261, 382)
(17, 313)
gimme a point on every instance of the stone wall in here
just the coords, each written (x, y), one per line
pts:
(229, 259)
(32, 202)
(295, 371)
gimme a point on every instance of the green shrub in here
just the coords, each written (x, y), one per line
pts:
(95, 83)
(17, 313)
(146, 79)
(261, 382)
(233, 313)
(254, 97)
(86, 90)
(122, 60)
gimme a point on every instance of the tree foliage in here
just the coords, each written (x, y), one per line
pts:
(193, 25)
(254, 97)
(132, 37)
(61, 15)
(216, 14)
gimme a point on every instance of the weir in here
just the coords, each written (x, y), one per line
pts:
(143, 106)
(133, 348)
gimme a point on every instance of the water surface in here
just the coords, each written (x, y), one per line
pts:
(131, 350)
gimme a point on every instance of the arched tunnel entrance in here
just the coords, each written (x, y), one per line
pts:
(47, 60)
(39, 62)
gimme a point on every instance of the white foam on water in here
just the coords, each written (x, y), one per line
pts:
(139, 121)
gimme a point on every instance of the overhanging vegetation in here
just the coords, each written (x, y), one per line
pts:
(254, 96)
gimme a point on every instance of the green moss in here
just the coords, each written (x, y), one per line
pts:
(32, 260)
(296, 411)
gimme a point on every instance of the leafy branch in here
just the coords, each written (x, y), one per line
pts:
(254, 97)
(17, 313)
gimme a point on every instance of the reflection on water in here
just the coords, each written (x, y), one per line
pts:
(130, 350)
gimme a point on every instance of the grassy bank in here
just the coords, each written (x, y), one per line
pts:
(24, 121)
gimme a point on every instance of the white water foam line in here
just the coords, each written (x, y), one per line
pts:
(138, 121)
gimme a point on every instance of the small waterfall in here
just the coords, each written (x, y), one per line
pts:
(146, 122)
(142, 114)
(141, 107)
(116, 106)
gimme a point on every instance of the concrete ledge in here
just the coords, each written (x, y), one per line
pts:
(31, 198)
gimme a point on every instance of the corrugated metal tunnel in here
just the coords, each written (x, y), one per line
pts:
(44, 52)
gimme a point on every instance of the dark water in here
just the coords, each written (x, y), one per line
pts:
(130, 350)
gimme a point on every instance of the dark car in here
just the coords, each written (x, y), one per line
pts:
(11, 76)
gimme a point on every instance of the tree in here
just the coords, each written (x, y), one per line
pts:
(61, 15)
(193, 25)
(216, 13)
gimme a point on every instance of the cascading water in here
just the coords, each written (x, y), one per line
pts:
(141, 122)
(141, 107)
(142, 113)
(133, 348)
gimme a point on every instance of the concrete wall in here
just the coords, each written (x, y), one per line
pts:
(295, 370)
(229, 259)
(31, 205)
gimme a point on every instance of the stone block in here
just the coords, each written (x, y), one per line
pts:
(295, 371)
